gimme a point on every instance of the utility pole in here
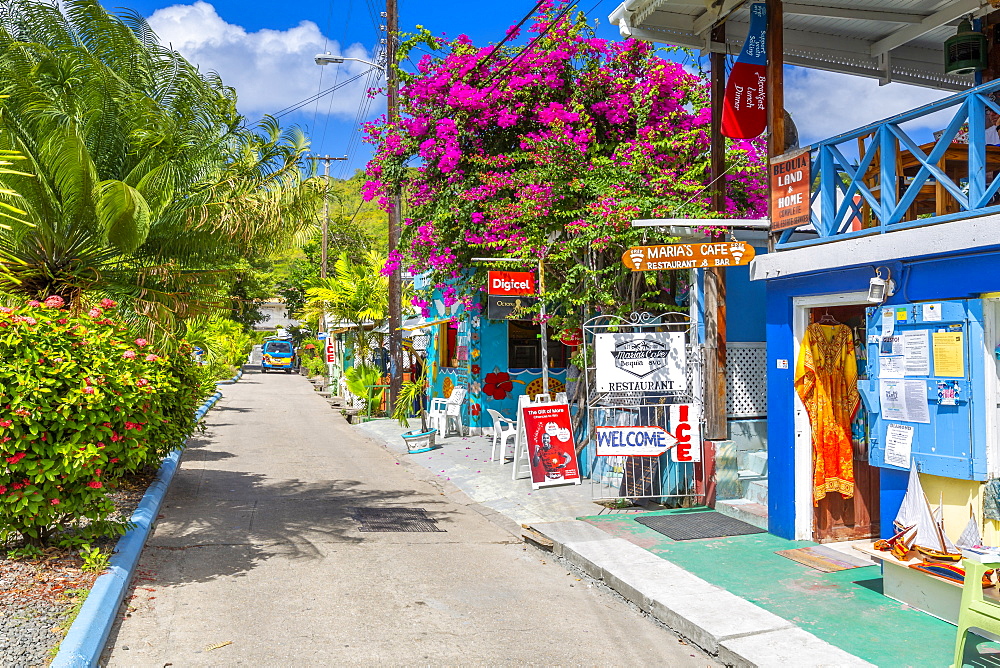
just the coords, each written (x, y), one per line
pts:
(325, 223)
(395, 278)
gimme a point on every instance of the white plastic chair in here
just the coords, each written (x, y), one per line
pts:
(437, 416)
(453, 411)
(503, 429)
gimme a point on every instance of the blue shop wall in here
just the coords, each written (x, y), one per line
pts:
(917, 279)
(485, 374)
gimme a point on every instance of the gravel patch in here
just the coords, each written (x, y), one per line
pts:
(37, 596)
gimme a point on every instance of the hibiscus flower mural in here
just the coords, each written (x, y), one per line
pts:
(497, 385)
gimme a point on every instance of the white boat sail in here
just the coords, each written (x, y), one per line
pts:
(928, 535)
(971, 536)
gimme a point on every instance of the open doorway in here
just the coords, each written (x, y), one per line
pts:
(836, 517)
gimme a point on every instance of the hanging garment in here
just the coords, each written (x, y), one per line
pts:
(826, 380)
(991, 499)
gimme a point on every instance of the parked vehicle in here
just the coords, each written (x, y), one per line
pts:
(277, 354)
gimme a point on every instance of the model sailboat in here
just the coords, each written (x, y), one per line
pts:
(928, 536)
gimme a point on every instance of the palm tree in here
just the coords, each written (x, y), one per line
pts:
(146, 184)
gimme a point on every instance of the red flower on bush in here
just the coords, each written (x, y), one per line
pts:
(5, 423)
(54, 301)
(498, 384)
(129, 354)
(16, 458)
(54, 502)
(95, 484)
(107, 303)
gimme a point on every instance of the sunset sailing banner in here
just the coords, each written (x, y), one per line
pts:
(744, 107)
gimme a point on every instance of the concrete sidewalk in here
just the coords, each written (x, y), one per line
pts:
(257, 559)
(735, 630)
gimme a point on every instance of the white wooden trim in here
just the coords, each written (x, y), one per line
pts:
(803, 433)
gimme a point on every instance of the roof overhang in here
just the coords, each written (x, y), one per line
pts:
(890, 40)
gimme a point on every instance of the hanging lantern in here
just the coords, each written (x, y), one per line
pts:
(965, 53)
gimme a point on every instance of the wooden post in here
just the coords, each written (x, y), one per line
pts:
(715, 279)
(775, 91)
(395, 212)
(714, 376)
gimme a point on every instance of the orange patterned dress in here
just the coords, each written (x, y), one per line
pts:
(826, 380)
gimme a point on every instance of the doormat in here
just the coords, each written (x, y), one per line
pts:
(403, 520)
(825, 559)
(688, 526)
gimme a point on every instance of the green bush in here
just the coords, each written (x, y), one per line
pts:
(81, 405)
(225, 342)
(313, 360)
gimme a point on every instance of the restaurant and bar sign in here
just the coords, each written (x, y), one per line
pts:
(790, 179)
(688, 256)
(499, 307)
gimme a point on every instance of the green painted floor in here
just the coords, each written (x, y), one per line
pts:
(846, 608)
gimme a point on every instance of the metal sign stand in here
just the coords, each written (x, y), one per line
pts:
(637, 477)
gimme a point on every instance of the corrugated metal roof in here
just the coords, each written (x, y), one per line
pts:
(892, 40)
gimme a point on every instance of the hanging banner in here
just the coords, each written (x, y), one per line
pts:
(642, 362)
(688, 256)
(549, 437)
(744, 108)
(790, 180)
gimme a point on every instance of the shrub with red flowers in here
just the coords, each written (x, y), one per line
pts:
(79, 409)
(550, 152)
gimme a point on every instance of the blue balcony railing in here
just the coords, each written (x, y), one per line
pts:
(935, 182)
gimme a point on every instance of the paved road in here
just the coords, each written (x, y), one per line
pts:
(256, 547)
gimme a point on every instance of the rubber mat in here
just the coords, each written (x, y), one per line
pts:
(403, 520)
(688, 526)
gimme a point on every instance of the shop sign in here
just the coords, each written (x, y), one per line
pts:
(331, 355)
(572, 337)
(685, 420)
(640, 362)
(511, 308)
(549, 437)
(688, 256)
(632, 441)
(511, 283)
(790, 181)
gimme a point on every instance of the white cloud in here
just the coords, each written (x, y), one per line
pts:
(825, 104)
(270, 69)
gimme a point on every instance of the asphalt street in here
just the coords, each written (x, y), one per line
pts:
(257, 559)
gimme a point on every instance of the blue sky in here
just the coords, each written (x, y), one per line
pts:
(265, 50)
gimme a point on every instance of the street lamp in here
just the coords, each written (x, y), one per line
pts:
(328, 58)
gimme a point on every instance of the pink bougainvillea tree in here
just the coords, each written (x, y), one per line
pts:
(548, 151)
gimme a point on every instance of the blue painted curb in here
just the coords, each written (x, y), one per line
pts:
(230, 381)
(85, 640)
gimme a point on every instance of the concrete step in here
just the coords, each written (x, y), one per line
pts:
(756, 491)
(748, 511)
(746, 476)
(755, 461)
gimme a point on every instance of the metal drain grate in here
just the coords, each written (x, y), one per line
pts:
(688, 526)
(408, 520)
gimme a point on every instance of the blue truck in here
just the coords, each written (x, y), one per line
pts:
(277, 354)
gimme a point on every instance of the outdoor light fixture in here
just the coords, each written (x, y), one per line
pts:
(879, 289)
(965, 52)
(328, 58)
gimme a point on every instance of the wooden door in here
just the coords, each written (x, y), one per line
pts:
(836, 518)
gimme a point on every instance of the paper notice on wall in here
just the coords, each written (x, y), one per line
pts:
(891, 367)
(949, 354)
(888, 322)
(931, 312)
(915, 400)
(891, 345)
(917, 353)
(898, 444)
(904, 400)
(891, 399)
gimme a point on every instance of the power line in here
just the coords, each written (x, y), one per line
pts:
(312, 98)
(530, 45)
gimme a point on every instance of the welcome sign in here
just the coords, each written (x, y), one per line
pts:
(640, 362)
(632, 441)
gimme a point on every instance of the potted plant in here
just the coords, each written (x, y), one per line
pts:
(410, 393)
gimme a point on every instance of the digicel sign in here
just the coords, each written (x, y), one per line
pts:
(511, 283)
